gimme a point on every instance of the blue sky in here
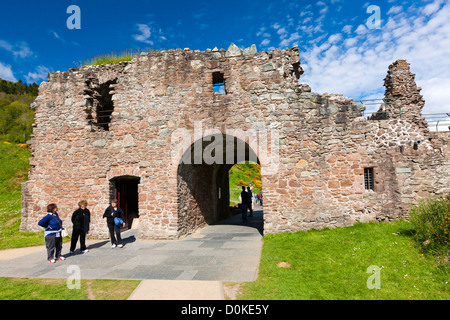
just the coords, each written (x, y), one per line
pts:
(339, 53)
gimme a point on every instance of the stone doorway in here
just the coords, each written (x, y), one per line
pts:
(203, 186)
(125, 189)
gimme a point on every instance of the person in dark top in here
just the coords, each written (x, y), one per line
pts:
(250, 195)
(113, 211)
(244, 199)
(80, 219)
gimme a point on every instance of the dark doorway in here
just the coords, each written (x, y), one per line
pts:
(125, 190)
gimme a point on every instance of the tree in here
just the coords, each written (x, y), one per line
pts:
(16, 115)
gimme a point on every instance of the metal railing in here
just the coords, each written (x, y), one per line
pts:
(436, 121)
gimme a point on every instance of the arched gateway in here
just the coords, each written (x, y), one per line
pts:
(203, 179)
(161, 131)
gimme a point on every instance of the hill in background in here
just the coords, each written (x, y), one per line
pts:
(16, 115)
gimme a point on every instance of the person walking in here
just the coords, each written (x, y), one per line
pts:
(53, 227)
(80, 219)
(112, 212)
(250, 195)
(244, 200)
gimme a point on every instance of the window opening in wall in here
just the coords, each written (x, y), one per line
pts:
(218, 82)
(100, 105)
(368, 179)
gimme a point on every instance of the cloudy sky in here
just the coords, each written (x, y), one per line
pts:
(345, 46)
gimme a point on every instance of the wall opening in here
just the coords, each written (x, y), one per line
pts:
(126, 190)
(369, 181)
(246, 174)
(203, 186)
(219, 82)
(100, 105)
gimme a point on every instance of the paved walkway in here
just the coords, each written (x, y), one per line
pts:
(229, 251)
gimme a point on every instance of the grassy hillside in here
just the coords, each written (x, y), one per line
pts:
(14, 167)
(16, 115)
(244, 174)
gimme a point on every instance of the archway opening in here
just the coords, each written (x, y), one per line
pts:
(203, 181)
(125, 189)
(244, 174)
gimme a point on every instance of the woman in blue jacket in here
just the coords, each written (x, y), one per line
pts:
(53, 227)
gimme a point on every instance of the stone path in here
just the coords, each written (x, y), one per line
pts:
(229, 251)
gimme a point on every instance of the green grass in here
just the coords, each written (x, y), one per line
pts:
(113, 57)
(14, 167)
(56, 289)
(332, 265)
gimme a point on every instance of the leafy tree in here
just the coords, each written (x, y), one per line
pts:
(16, 115)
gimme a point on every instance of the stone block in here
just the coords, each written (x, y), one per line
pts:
(233, 51)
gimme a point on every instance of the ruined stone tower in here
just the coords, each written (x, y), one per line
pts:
(140, 131)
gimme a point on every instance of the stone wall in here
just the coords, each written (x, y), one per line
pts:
(324, 143)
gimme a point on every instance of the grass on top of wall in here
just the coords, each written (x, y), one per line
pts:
(113, 57)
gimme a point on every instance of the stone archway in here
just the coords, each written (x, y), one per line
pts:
(203, 182)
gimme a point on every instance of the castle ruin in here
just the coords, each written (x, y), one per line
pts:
(135, 130)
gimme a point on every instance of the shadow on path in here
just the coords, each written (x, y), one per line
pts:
(257, 221)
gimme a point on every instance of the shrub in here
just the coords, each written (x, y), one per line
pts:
(241, 183)
(431, 222)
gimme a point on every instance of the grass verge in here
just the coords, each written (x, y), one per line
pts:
(56, 289)
(333, 264)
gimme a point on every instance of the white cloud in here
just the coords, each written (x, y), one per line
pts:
(19, 50)
(145, 34)
(276, 26)
(290, 41)
(347, 28)
(40, 73)
(395, 10)
(200, 13)
(281, 31)
(6, 73)
(432, 7)
(265, 42)
(355, 64)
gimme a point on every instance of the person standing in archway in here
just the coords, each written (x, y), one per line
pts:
(111, 213)
(250, 196)
(245, 199)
